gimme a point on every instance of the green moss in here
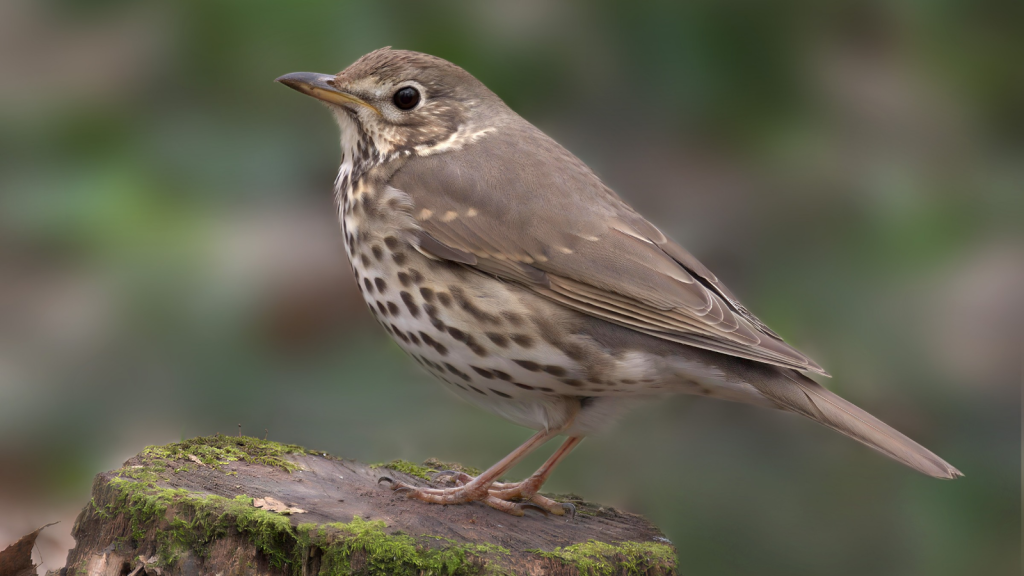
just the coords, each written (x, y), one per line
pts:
(182, 521)
(197, 520)
(430, 466)
(364, 546)
(439, 465)
(407, 467)
(595, 558)
(218, 450)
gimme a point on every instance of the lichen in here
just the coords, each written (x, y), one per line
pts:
(594, 558)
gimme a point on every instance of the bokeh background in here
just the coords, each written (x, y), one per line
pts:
(170, 264)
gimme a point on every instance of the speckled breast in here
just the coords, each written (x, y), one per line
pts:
(469, 330)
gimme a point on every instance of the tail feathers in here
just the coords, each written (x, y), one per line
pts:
(795, 392)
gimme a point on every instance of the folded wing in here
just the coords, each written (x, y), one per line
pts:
(563, 234)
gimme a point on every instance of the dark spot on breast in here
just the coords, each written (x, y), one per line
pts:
(554, 370)
(544, 389)
(523, 386)
(364, 260)
(476, 347)
(400, 334)
(498, 339)
(483, 372)
(457, 334)
(431, 310)
(572, 382)
(404, 279)
(416, 276)
(438, 324)
(513, 318)
(468, 305)
(475, 389)
(410, 304)
(427, 294)
(628, 381)
(399, 258)
(391, 242)
(529, 365)
(522, 340)
(382, 286)
(368, 284)
(502, 394)
(502, 375)
(383, 309)
(456, 371)
(445, 299)
(393, 308)
(573, 351)
(378, 253)
(414, 339)
(441, 349)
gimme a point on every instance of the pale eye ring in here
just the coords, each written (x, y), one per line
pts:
(406, 98)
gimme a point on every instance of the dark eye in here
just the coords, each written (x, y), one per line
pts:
(407, 98)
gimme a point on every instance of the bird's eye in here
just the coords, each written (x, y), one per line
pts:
(407, 98)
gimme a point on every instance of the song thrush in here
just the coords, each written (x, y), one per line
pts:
(509, 271)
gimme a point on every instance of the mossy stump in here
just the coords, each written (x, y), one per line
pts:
(191, 509)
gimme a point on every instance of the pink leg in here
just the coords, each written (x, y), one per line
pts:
(499, 494)
(476, 488)
(527, 489)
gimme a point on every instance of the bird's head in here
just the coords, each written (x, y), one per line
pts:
(402, 102)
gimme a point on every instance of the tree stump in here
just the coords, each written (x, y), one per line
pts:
(240, 505)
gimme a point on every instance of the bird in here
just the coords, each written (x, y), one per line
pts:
(506, 268)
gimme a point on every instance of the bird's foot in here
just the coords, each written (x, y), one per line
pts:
(471, 491)
(515, 497)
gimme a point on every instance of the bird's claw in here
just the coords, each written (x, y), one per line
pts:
(569, 510)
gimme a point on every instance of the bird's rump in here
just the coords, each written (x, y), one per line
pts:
(494, 208)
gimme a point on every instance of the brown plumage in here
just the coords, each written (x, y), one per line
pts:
(506, 268)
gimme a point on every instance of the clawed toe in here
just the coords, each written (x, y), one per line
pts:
(568, 509)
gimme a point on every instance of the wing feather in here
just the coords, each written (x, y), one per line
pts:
(541, 218)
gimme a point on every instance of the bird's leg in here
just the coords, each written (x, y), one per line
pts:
(500, 493)
(527, 489)
(476, 488)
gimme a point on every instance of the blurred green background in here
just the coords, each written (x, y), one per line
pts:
(170, 264)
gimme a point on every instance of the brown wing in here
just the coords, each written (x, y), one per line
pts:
(538, 216)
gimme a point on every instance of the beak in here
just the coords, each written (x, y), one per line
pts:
(319, 86)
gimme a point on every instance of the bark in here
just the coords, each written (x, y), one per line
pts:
(191, 508)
